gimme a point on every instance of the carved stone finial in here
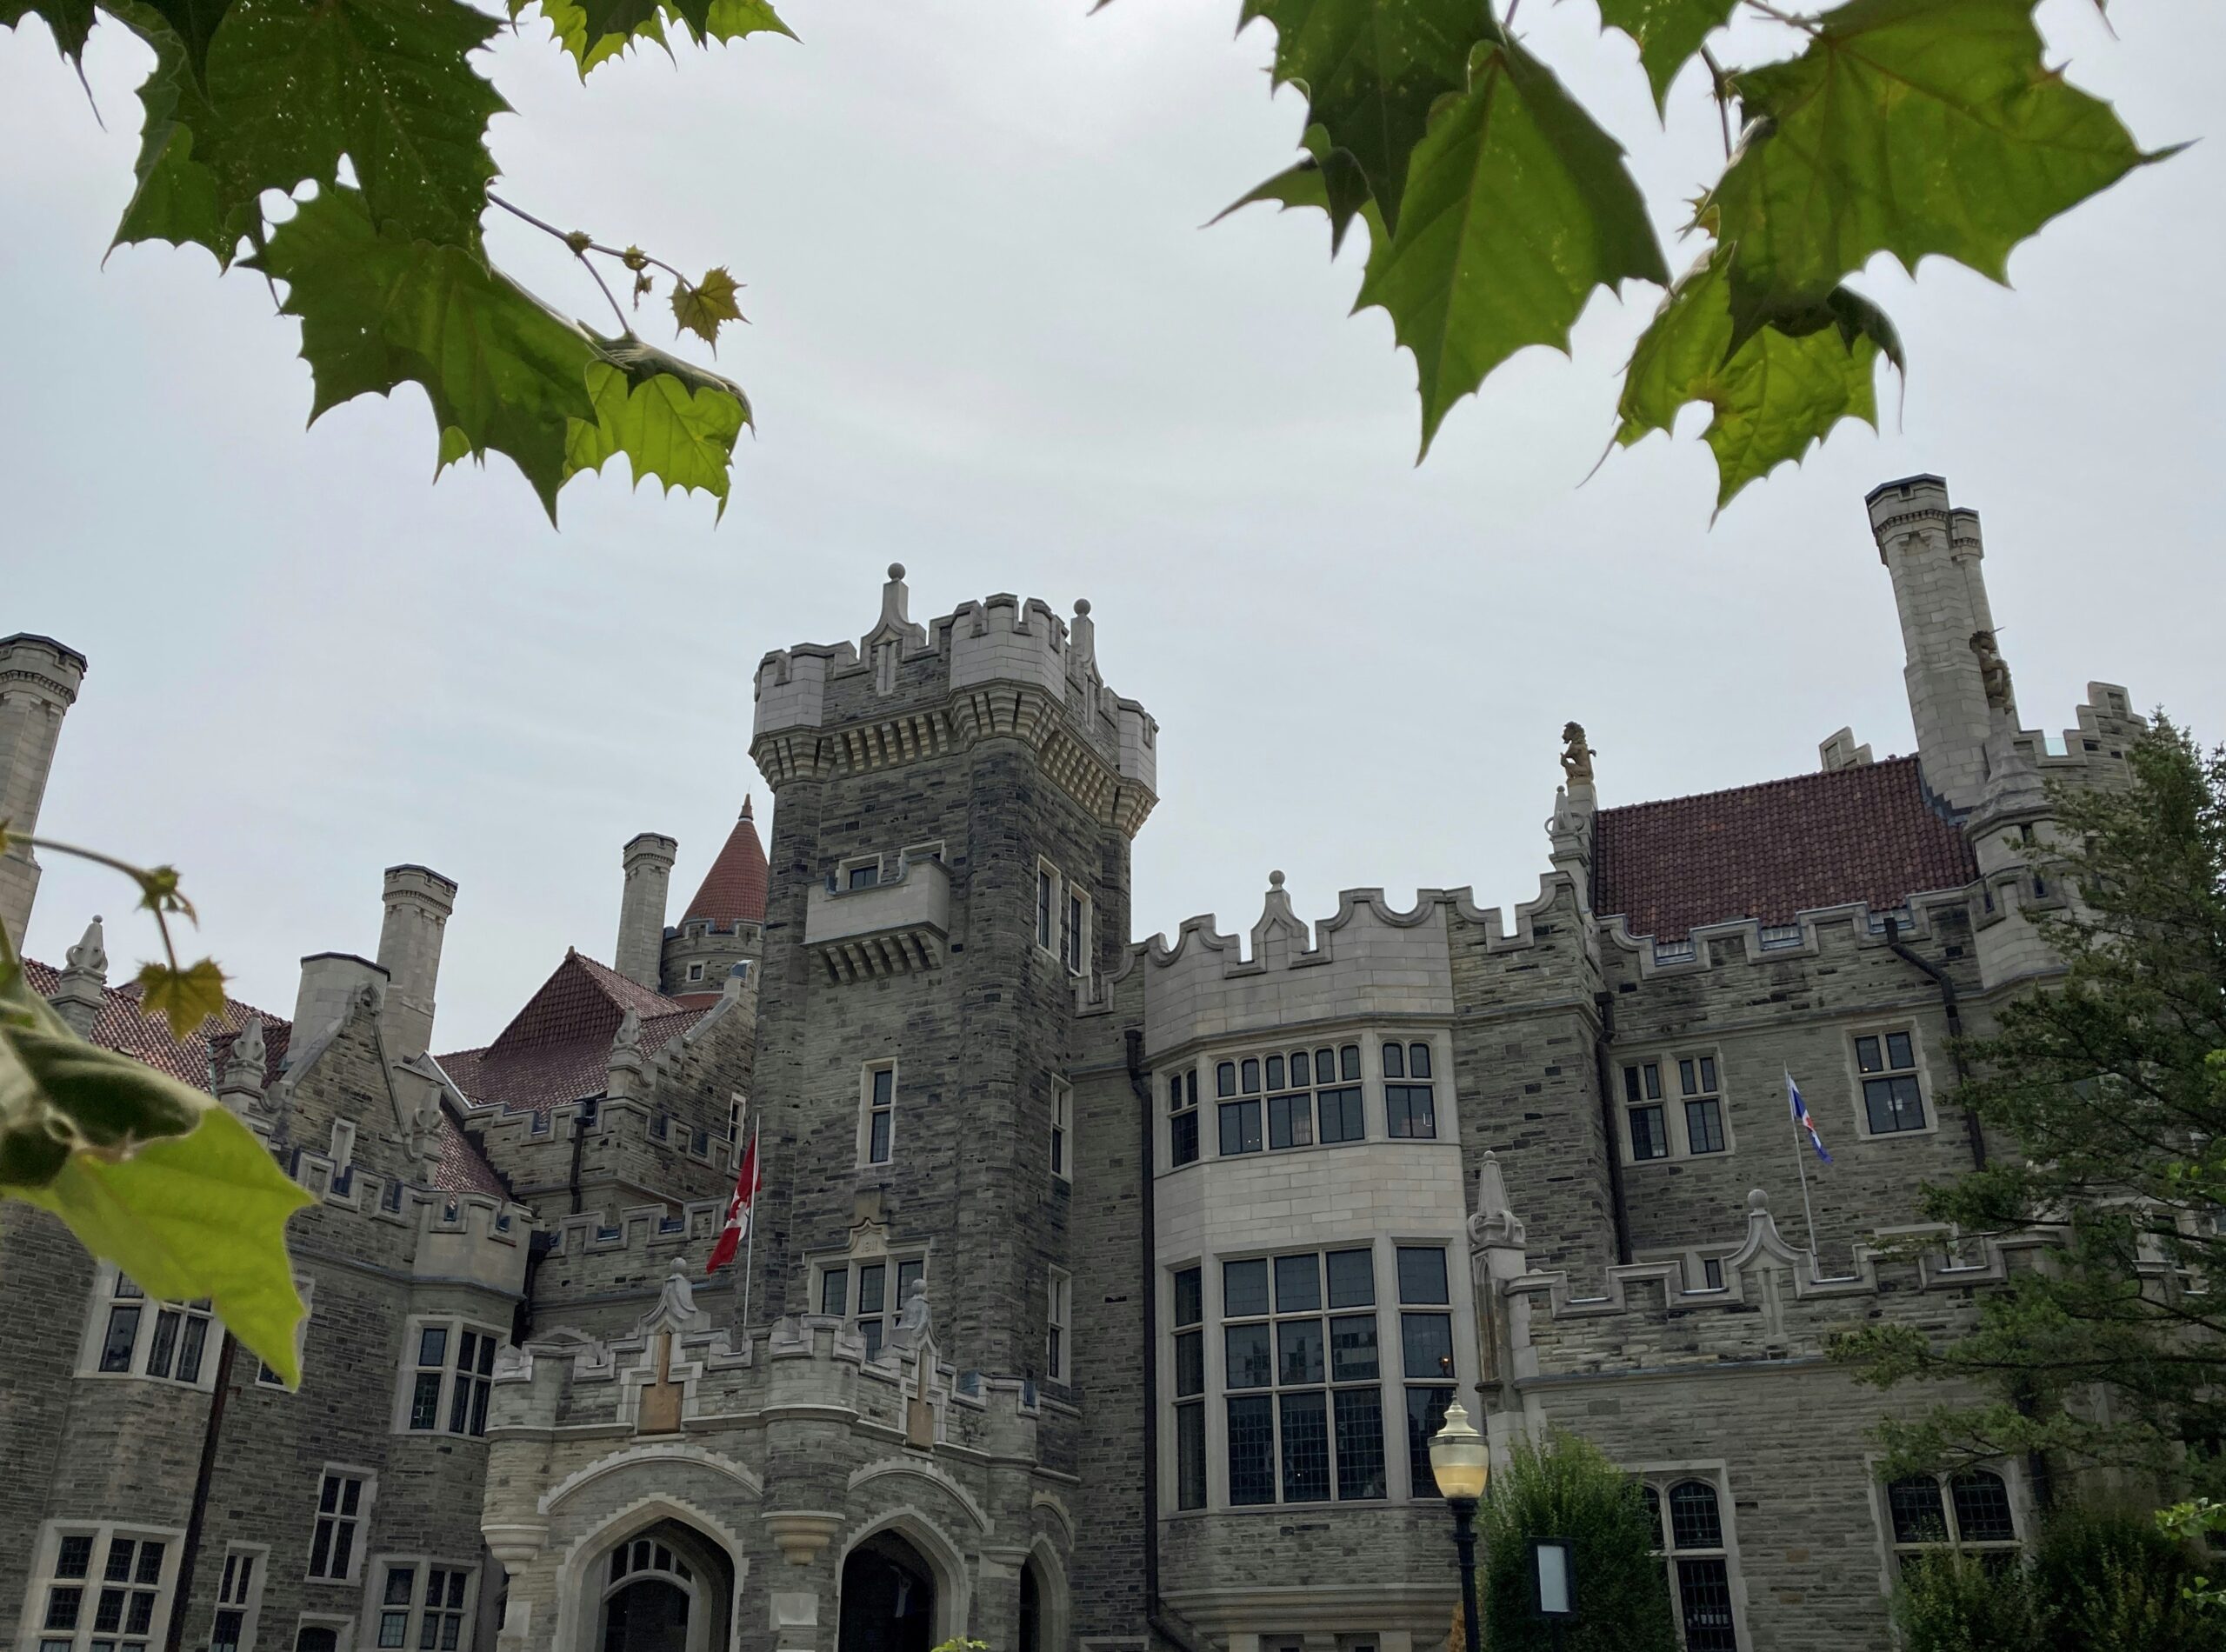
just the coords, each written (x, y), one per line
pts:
(1758, 1203)
(1495, 1225)
(248, 1049)
(90, 954)
(1577, 755)
(629, 1036)
(1994, 672)
(1275, 880)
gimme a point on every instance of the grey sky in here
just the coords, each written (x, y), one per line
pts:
(991, 339)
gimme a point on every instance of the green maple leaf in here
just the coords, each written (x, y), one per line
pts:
(147, 1172)
(194, 25)
(379, 309)
(671, 427)
(71, 21)
(1331, 183)
(595, 31)
(1775, 394)
(1372, 71)
(179, 199)
(702, 307)
(185, 997)
(1518, 206)
(386, 82)
(1668, 33)
(1908, 127)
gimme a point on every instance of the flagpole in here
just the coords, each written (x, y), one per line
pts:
(1801, 1170)
(749, 1240)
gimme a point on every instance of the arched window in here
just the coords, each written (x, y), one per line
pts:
(648, 1599)
(1692, 1544)
(1966, 1513)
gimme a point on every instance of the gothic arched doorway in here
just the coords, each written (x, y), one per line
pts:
(664, 1589)
(1031, 1610)
(888, 1597)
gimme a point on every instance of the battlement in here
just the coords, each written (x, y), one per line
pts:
(811, 1365)
(1812, 934)
(907, 691)
(1370, 957)
(1773, 1305)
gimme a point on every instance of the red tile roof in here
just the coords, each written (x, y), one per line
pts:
(734, 889)
(123, 1026)
(1868, 833)
(557, 1048)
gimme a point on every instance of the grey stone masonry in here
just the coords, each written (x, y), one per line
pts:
(648, 860)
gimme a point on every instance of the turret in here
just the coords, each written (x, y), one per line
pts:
(79, 996)
(648, 858)
(418, 903)
(1953, 670)
(39, 680)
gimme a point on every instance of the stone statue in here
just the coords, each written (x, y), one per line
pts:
(1576, 756)
(1994, 672)
(912, 1324)
(629, 1036)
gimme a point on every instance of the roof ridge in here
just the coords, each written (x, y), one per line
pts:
(1807, 778)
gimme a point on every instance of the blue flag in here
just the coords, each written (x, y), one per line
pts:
(1800, 1118)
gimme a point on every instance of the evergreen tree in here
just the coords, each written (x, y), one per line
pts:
(2105, 1096)
(1568, 1488)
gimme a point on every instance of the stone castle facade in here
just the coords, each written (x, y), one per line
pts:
(1103, 1293)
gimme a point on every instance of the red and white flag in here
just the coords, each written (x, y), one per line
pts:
(746, 1184)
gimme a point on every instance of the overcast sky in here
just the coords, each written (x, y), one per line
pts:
(992, 340)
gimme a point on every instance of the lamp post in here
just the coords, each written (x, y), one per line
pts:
(1461, 1462)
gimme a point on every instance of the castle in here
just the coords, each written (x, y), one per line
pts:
(1103, 1294)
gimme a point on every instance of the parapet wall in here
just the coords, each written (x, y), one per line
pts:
(1770, 1307)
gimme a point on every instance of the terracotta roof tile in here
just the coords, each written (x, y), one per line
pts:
(1868, 833)
(557, 1048)
(734, 889)
(121, 1026)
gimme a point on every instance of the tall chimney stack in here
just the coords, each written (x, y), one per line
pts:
(418, 902)
(649, 860)
(39, 680)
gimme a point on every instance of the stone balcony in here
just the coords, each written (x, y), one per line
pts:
(890, 928)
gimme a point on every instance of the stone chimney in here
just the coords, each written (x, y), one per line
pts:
(649, 860)
(83, 987)
(331, 981)
(418, 902)
(1932, 553)
(39, 680)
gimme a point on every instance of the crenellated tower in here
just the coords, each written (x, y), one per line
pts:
(950, 865)
(39, 680)
(1933, 551)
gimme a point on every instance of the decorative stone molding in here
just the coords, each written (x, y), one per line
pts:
(801, 1535)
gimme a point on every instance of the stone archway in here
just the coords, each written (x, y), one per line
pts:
(664, 1586)
(888, 1596)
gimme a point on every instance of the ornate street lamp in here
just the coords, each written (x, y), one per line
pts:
(1461, 1462)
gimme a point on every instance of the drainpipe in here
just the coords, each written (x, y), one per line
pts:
(188, 1551)
(1140, 1083)
(1605, 1004)
(1949, 1004)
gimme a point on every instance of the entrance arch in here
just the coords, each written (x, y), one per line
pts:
(664, 1588)
(888, 1597)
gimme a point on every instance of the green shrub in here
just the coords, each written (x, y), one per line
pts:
(2108, 1581)
(1570, 1490)
(1950, 1602)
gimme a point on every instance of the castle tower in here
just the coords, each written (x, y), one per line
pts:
(724, 925)
(39, 680)
(418, 903)
(649, 857)
(1933, 554)
(949, 865)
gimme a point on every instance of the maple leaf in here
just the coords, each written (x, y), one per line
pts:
(1372, 71)
(1668, 33)
(70, 20)
(184, 997)
(1908, 127)
(1775, 394)
(681, 432)
(379, 308)
(1519, 207)
(700, 309)
(1330, 181)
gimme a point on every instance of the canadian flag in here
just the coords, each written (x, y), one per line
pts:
(752, 1177)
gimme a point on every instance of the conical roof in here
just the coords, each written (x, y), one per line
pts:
(734, 889)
